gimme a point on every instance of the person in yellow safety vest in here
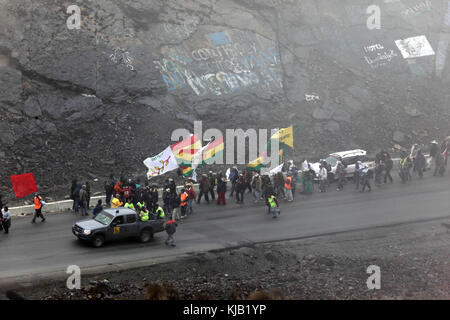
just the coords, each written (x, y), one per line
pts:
(140, 204)
(159, 211)
(129, 205)
(144, 215)
(272, 202)
(288, 188)
(116, 203)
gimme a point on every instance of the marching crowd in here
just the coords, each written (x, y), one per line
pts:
(147, 200)
(172, 205)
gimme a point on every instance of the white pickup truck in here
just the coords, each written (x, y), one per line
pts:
(349, 159)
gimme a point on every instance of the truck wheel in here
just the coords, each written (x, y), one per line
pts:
(98, 241)
(145, 235)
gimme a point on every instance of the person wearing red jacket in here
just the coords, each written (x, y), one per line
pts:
(192, 196)
(118, 189)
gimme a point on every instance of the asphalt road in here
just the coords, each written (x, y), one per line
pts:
(50, 247)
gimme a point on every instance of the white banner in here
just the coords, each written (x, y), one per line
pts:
(275, 170)
(160, 164)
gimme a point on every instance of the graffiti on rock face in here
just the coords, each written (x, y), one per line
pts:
(231, 62)
(417, 9)
(122, 56)
(376, 55)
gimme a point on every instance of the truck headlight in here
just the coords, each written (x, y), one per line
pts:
(87, 232)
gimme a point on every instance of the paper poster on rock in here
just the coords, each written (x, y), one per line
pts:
(414, 47)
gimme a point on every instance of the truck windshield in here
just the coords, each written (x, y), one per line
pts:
(104, 218)
(331, 160)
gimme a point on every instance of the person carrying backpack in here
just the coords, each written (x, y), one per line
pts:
(170, 227)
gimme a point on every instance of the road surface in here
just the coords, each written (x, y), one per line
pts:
(30, 251)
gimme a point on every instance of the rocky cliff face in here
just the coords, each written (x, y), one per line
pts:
(103, 97)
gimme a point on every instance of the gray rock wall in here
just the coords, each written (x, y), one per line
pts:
(102, 98)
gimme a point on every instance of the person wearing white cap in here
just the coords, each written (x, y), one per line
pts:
(364, 170)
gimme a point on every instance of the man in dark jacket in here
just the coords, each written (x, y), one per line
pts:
(240, 189)
(109, 189)
(248, 180)
(83, 200)
(420, 163)
(204, 188)
(166, 201)
(172, 186)
(388, 164)
(221, 190)
(234, 176)
(212, 184)
(154, 197)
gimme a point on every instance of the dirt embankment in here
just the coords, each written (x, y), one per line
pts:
(414, 263)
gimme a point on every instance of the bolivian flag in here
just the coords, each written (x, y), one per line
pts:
(184, 150)
(213, 150)
(258, 163)
(285, 137)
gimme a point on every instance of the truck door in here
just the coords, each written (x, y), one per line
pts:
(116, 229)
(132, 225)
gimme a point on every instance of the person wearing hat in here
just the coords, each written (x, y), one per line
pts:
(38, 204)
(364, 170)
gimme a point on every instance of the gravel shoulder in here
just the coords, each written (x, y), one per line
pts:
(413, 258)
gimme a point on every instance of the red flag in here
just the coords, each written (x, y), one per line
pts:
(23, 184)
